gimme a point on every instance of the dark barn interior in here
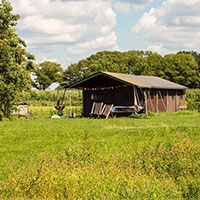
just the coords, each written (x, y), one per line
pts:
(151, 93)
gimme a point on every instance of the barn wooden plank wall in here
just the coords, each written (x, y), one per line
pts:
(156, 100)
(165, 100)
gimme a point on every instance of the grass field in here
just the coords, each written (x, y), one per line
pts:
(46, 111)
(122, 158)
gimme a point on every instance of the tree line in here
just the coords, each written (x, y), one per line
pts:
(182, 68)
(17, 65)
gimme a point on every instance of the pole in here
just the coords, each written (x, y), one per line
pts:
(70, 103)
(58, 98)
(157, 101)
(146, 103)
(63, 97)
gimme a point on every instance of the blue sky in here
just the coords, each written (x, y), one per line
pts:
(66, 31)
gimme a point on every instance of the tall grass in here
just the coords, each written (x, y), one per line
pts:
(193, 99)
(164, 170)
(46, 111)
(49, 98)
(122, 158)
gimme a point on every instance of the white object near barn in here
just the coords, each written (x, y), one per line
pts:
(21, 109)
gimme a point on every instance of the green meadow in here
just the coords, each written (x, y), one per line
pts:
(124, 158)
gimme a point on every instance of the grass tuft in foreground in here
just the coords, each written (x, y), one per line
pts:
(160, 170)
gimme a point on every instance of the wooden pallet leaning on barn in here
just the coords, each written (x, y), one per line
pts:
(107, 110)
(96, 109)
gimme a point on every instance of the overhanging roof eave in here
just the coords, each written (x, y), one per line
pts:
(123, 78)
(110, 75)
(170, 88)
(73, 85)
(126, 81)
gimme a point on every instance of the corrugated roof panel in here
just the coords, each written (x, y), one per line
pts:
(147, 81)
(140, 81)
(127, 79)
(156, 82)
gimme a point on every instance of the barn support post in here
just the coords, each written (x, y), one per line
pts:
(167, 101)
(157, 101)
(146, 103)
(134, 95)
(137, 96)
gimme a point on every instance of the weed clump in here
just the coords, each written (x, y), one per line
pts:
(155, 171)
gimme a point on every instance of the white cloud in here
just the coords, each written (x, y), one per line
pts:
(104, 43)
(174, 25)
(50, 22)
(49, 59)
(158, 48)
(49, 25)
(126, 6)
(123, 7)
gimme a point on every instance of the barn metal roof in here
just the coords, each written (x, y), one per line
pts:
(140, 81)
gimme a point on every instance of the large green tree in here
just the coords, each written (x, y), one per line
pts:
(14, 60)
(47, 73)
(103, 61)
(195, 54)
(133, 62)
(180, 68)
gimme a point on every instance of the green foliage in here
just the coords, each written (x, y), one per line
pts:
(102, 61)
(193, 99)
(195, 54)
(180, 68)
(14, 76)
(49, 98)
(149, 64)
(47, 73)
(47, 111)
(122, 158)
(164, 170)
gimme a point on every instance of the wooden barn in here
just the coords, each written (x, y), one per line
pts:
(125, 92)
